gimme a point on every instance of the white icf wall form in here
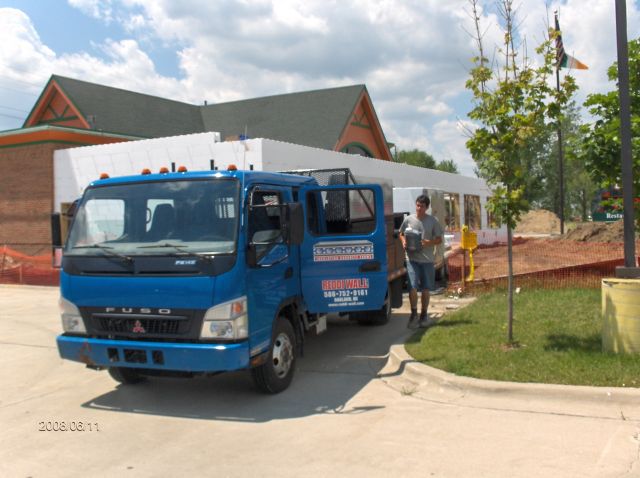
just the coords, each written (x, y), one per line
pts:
(75, 168)
(279, 156)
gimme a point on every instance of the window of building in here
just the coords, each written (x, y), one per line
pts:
(472, 217)
(451, 212)
(359, 149)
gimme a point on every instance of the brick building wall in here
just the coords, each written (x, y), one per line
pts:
(26, 196)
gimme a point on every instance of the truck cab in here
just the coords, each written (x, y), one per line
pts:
(203, 272)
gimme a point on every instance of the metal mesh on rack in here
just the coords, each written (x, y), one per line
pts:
(336, 202)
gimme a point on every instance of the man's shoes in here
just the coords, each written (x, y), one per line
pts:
(413, 321)
(425, 321)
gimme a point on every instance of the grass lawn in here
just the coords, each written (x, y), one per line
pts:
(558, 334)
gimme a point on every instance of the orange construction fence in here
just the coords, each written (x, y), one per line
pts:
(542, 263)
(19, 268)
(539, 262)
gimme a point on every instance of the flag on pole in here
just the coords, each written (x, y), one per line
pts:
(565, 60)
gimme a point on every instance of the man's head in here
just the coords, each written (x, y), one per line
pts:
(422, 204)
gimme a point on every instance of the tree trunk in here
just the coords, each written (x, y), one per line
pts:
(510, 285)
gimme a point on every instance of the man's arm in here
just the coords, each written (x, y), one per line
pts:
(437, 232)
(403, 239)
(432, 242)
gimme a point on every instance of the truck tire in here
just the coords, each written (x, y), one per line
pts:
(276, 373)
(395, 290)
(126, 376)
(376, 317)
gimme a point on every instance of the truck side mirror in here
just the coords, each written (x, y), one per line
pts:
(295, 234)
(56, 230)
(56, 241)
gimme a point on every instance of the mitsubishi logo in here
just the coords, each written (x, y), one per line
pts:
(138, 328)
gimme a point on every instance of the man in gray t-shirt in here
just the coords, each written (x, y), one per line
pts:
(420, 233)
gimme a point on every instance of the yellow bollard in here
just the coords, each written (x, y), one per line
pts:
(621, 316)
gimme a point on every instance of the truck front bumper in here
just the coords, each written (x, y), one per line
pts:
(186, 357)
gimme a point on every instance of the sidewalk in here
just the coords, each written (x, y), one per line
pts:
(418, 380)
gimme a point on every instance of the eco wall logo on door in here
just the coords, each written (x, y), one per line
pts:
(342, 251)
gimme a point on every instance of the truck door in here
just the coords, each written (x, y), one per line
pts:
(273, 276)
(343, 257)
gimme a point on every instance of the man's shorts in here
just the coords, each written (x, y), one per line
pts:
(422, 275)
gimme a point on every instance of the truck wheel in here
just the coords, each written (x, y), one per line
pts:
(395, 291)
(276, 373)
(126, 376)
(376, 317)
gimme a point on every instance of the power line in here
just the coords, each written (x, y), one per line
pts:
(13, 109)
(12, 116)
(18, 91)
(14, 80)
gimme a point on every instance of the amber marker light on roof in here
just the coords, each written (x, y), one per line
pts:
(104, 176)
(182, 169)
(164, 170)
(232, 167)
(146, 171)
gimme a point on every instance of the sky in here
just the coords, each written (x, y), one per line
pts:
(414, 56)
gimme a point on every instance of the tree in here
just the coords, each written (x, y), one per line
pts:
(513, 103)
(415, 157)
(601, 152)
(448, 166)
(422, 159)
(579, 188)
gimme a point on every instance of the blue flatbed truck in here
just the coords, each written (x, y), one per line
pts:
(189, 273)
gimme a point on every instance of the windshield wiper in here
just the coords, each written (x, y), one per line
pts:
(109, 250)
(181, 249)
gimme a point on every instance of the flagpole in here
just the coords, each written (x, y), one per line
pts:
(560, 149)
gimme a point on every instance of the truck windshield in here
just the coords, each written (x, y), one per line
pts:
(157, 218)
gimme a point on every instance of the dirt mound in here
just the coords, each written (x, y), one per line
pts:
(538, 221)
(597, 232)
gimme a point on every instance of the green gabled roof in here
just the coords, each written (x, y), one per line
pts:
(127, 112)
(311, 118)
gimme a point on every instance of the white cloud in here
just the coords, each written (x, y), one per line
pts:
(100, 9)
(450, 138)
(413, 55)
(434, 107)
(22, 55)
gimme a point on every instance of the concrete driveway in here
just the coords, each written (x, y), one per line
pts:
(344, 415)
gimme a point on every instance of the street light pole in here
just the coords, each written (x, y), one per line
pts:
(629, 269)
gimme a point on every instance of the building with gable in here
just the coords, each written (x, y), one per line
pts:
(70, 113)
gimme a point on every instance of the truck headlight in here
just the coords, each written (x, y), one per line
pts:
(226, 321)
(71, 318)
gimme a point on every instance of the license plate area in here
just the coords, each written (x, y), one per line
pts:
(135, 356)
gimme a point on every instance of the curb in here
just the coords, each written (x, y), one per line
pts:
(404, 374)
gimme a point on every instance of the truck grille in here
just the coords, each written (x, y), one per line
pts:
(182, 324)
(140, 326)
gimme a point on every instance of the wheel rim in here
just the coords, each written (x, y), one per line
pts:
(282, 355)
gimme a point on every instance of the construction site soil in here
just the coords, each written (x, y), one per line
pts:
(589, 251)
